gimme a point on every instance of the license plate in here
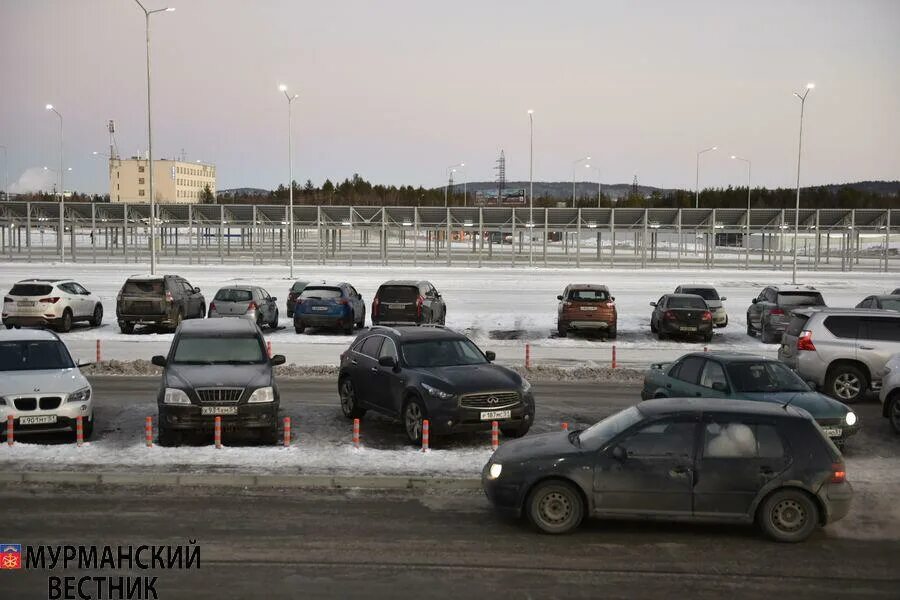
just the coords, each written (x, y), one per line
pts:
(42, 420)
(218, 410)
(588, 308)
(320, 308)
(687, 329)
(397, 306)
(832, 431)
(25, 303)
(492, 415)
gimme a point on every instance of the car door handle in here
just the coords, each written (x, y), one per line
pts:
(679, 472)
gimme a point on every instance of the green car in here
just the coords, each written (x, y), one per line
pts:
(747, 377)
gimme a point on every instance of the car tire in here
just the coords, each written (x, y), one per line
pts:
(299, 327)
(561, 330)
(653, 327)
(555, 507)
(788, 515)
(179, 317)
(660, 335)
(87, 429)
(8, 325)
(290, 314)
(348, 330)
(611, 333)
(274, 324)
(846, 383)
(361, 323)
(413, 415)
(707, 338)
(97, 317)
(65, 323)
(893, 411)
(126, 327)
(167, 437)
(259, 321)
(202, 314)
(516, 432)
(349, 404)
(750, 331)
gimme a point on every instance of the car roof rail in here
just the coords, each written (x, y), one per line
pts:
(385, 327)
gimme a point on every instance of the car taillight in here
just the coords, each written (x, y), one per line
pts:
(610, 305)
(251, 306)
(376, 306)
(804, 342)
(776, 311)
(7, 299)
(169, 297)
(419, 302)
(707, 316)
(212, 307)
(53, 300)
(669, 315)
(838, 474)
(343, 301)
(293, 295)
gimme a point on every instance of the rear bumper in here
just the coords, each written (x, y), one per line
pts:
(593, 324)
(392, 322)
(331, 321)
(674, 328)
(31, 321)
(146, 319)
(836, 498)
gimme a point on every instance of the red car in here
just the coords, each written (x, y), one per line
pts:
(587, 307)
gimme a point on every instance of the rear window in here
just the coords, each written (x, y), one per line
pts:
(842, 327)
(687, 302)
(398, 293)
(30, 289)
(798, 322)
(144, 287)
(321, 293)
(800, 299)
(232, 295)
(705, 293)
(588, 295)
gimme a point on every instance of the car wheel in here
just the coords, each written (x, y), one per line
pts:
(660, 335)
(653, 327)
(707, 338)
(98, 315)
(290, 314)
(259, 321)
(788, 516)
(179, 317)
(349, 405)
(299, 327)
(348, 330)
(555, 507)
(274, 324)
(167, 437)
(611, 333)
(846, 383)
(750, 331)
(516, 432)
(87, 429)
(65, 324)
(561, 330)
(126, 327)
(8, 325)
(413, 415)
(894, 412)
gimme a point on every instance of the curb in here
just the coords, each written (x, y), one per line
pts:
(334, 482)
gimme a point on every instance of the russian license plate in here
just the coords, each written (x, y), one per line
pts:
(218, 410)
(687, 329)
(320, 308)
(588, 308)
(492, 415)
(832, 431)
(42, 420)
(25, 303)
(397, 306)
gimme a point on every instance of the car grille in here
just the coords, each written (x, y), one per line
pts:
(26, 403)
(50, 402)
(490, 400)
(220, 395)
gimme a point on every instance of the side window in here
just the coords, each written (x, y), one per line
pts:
(771, 296)
(661, 439)
(883, 329)
(843, 327)
(67, 288)
(867, 303)
(371, 346)
(690, 369)
(714, 376)
(187, 287)
(675, 369)
(388, 348)
(734, 439)
(79, 289)
(661, 303)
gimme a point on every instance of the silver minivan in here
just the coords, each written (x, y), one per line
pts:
(246, 301)
(843, 351)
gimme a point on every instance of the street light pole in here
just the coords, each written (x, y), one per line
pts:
(704, 151)
(147, 15)
(574, 169)
(802, 98)
(450, 170)
(290, 101)
(62, 196)
(530, 186)
(747, 223)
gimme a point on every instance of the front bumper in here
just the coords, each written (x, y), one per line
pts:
(447, 417)
(504, 495)
(66, 417)
(189, 417)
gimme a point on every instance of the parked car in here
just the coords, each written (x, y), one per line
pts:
(434, 373)
(162, 300)
(332, 306)
(747, 377)
(50, 302)
(41, 386)
(713, 301)
(681, 315)
(218, 368)
(890, 392)
(586, 307)
(888, 302)
(896, 292)
(294, 293)
(245, 301)
(770, 312)
(408, 303)
(699, 459)
(843, 351)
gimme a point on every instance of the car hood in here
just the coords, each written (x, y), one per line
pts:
(544, 445)
(818, 405)
(51, 381)
(201, 376)
(468, 379)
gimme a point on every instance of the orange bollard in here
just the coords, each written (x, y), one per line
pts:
(148, 431)
(356, 433)
(425, 435)
(98, 352)
(495, 435)
(9, 430)
(565, 426)
(218, 432)
(287, 431)
(614, 356)
(705, 349)
(269, 348)
(79, 430)
(528, 356)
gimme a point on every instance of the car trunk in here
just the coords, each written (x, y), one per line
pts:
(146, 297)
(232, 303)
(398, 303)
(321, 301)
(30, 298)
(581, 306)
(685, 315)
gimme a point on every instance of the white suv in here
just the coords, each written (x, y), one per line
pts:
(890, 392)
(41, 386)
(54, 302)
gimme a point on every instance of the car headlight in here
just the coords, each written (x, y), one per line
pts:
(850, 418)
(526, 385)
(175, 396)
(495, 470)
(82, 395)
(263, 394)
(2, 401)
(437, 393)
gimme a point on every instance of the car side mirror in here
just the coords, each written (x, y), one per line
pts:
(618, 453)
(613, 298)
(159, 360)
(653, 304)
(720, 386)
(83, 363)
(723, 299)
(754, 301)
(490, 355)
(559, 297)
(273, 299)
(196, 290)
(387, 361)
(277, 359)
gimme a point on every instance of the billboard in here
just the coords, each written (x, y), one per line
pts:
(511, 197)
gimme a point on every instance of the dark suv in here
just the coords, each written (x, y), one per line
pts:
(696, 459)
(770, 312)
(163, 300)
(292, 295)
(417, 373)
(408, 303)
(218, 368)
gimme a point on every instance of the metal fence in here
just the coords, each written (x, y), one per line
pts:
(563, 237)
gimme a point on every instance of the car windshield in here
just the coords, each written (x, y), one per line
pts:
(233, 295)
(890, 303)
(320, 293)
(687, 302)
(442, 353)
(705, 293)
(588, 296)
(800, 299)
(143, 287)
(215, 350)
(30, 289)
(34, 355)
(599, 433)
(764, 376)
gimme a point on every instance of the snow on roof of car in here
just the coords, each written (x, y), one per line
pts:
(26, 335)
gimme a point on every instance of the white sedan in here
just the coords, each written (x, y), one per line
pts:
(50, 302)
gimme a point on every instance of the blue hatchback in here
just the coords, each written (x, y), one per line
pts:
(331, 306)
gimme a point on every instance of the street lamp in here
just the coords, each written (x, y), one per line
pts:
(62, 196)
(747, 224)
(802, 98)
(451, 169)
(574, 167)
(530, 185)
(147, 15)
(290, 100)
(599, 189)
(704, 151)
(462, 167)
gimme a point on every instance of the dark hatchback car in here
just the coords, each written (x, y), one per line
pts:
(294, 293)
(683, 316)
(408, 303)
(418, 373)
(330, 306)
(678, 459)
(770, 312)
(887, 302)
(163, 300)
(218, 368)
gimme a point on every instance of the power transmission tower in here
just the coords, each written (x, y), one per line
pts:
(501, 177)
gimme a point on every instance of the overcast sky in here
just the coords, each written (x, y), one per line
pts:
(397, 90)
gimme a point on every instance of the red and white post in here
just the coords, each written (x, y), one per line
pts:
(495, 435)
(98, 355)
(79, 430)
(287, 432)
(425, 435)
(9, 430)
(148, 431)
(217, 434)
(565, 426)
(614, 356)
(528, 356)
(356, 433)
